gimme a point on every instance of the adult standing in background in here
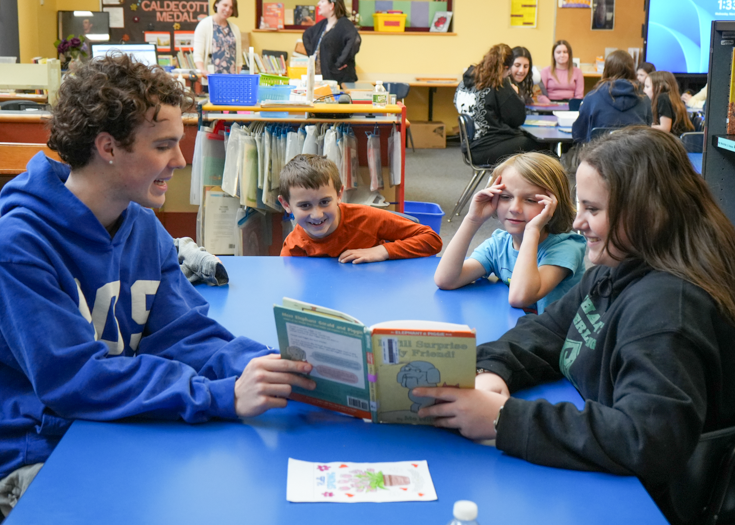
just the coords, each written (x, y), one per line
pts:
(334, 42)
(488, 96)
(217, 41)
(562, 80)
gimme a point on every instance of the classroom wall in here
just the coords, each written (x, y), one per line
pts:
(575, 26)
(38, 24)
(478, 25)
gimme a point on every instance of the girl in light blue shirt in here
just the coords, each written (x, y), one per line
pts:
(535, 253)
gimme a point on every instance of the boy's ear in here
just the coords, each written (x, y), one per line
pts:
(284, 203)
(339, 194)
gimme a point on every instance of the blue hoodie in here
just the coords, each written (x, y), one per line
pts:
(612, 105)
(98, 328)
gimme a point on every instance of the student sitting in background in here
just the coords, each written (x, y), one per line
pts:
(646, 337)
(97, 320)
(535, 255)
(669, 112)
(325, 227)
(562, 80)
(644, 69)
(695, 101)
(521, 73)
(488, 96)
(616, 100)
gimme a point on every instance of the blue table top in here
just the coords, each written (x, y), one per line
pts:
(141, 472)
(548, 108)
(553, 134)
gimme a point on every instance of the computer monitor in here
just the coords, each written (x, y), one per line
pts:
(678, 33)
(142, 52)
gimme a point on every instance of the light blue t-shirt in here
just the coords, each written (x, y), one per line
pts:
(498, 256)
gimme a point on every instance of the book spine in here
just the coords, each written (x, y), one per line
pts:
(371, 377)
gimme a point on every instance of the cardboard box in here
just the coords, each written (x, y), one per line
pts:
(428, 134)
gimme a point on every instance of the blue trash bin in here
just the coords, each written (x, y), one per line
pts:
(427, 213)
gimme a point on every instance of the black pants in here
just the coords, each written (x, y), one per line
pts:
(494, 153)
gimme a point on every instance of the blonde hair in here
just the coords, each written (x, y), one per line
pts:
(547, 172)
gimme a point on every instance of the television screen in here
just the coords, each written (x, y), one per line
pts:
(93, 25)
(145, 53)
(678, 32)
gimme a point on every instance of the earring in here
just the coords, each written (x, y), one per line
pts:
(110, 162)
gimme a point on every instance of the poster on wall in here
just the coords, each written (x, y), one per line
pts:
(575, 4)
(155, 16)
(603, 15)
(523, 13)
(162, 39)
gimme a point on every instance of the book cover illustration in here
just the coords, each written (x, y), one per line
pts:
(348, 482)
(370, 372)
(441, 21)
(304, 15)
(538, 122)
(274, 14)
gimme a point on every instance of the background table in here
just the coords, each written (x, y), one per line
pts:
(232, 473)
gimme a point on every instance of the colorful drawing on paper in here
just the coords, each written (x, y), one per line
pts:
(346, 482)
(578, 4)
(523, 13)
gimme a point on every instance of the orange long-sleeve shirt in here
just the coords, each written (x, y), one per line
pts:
(362, 227)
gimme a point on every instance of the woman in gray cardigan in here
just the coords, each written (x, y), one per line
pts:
(217, 47)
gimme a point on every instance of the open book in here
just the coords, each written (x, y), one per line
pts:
(370, 372)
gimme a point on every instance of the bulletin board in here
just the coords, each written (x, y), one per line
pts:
(159, 17)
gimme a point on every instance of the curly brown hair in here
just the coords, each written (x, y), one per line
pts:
(112, 95)
(489, 72)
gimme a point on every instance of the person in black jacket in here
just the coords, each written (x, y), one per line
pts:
(334, 41)
(646, 337)
(616, 100)
(488, 96)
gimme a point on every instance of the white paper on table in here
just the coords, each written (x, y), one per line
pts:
(347, 482)
(220, 222)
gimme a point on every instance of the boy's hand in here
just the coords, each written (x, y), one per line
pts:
(542, 219)
(266, 383)
(374, 254)
(485, 202)
(471, 411)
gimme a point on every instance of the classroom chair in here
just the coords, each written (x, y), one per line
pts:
(466, 134)
(400, 90)
(697, 119)
(574, 104)
(693, 141)
(705, 492)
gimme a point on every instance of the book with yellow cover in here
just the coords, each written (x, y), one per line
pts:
(370, 372)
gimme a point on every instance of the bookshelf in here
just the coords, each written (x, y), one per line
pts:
(718, 160)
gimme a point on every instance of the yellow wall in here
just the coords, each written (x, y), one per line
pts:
(478, 25)
(38, 24)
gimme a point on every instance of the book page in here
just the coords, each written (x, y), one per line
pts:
(319, 310)
(347, 482)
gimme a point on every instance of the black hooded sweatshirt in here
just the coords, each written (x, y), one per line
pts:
(651, 355)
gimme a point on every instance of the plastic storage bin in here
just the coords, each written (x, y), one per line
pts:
(273, 80)
(389, 22)
(273, 93)
(428, 213)
(233, 90)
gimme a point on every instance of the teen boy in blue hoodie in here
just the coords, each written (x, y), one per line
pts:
(615, 102)
(97, 321)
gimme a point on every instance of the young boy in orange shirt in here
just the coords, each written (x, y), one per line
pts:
(310, 189)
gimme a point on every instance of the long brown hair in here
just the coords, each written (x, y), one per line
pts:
(652, 185)
(489, 72)
(665, 82)
(570, 64)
